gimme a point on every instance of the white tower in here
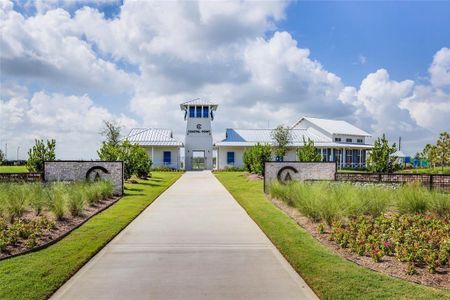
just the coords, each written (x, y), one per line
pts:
(198, 146)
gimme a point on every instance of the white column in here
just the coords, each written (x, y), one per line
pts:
(344, 157)
(360, 158)
(153, 158)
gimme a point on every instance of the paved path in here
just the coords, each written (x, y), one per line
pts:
(193, 242)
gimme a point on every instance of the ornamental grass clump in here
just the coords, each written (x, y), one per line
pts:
(38, 198)
(106, 188)
(440, 204)
(15, 201)
(57, 197)
(375, 200)
(76, 200)
(413, 198)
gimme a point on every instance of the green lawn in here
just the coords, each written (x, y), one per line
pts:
(37, 275)
(331, 276)
(13, 169)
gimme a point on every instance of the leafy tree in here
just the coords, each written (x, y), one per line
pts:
(443, 149)
(111, 132)
(109, 152)
(282, 138)
(429, 153)
(380, 157)
(135, 159)
(2, 157)
(39, 153)
(308, 153)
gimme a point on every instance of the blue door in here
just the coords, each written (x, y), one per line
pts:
(167, 157)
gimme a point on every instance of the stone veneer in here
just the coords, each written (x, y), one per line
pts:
(305, 171)
(77, 171)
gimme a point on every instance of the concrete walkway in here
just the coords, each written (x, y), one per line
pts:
(193, 242)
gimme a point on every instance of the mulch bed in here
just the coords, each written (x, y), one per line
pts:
(253, 177)
(63, 227)
(388, 265)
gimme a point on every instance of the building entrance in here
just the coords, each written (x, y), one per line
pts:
(198, 160)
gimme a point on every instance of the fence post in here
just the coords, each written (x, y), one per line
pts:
(431, 181)
(379, 177)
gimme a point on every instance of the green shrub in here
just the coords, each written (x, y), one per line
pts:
(255, 158)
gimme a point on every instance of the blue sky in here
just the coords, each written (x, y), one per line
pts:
(400, 36)
(66, 66)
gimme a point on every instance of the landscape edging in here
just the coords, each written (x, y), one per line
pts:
(46, 245)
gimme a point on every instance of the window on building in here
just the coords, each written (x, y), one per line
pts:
(359, 141)
(348, 140)
(230, 157)
(279, 158)
(198, 112)
(205, 111)
(191, 111)
(167, 157)
(337, 139)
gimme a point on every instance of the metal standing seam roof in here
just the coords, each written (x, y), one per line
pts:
(334, 126)
(153, 137)
(250, 137)
(198, 102)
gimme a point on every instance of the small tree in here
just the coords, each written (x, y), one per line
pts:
(255, 158)
(141, 163)
(430, 154)
(308, 153)
(282, 138)
(2, 157)
(380, 157)
(39, 153)
(443, 149)
(111, 132)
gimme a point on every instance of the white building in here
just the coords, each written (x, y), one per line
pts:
(336, 140)
(160, 145)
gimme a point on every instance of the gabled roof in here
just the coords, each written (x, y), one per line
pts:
(198, 102)
(334, 126)
(250, 137)
(153, 137)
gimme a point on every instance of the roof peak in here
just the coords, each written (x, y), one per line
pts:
(198, 101)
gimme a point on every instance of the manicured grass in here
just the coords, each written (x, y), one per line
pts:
(13, 169)
(37, 275)
(331, 276)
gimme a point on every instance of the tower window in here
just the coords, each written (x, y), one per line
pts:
(205, 111)
(198, 113)
(191, 111)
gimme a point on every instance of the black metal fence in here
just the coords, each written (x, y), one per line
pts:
(438, 181)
